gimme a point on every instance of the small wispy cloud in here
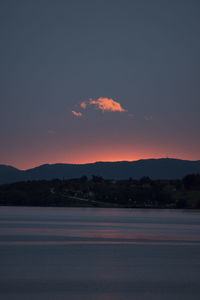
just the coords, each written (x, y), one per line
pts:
(104, 104)
(77, 114)
(83, 104)
(107, 104)
(101, 103)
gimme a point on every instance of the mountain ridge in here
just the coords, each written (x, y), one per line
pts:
(161, 168)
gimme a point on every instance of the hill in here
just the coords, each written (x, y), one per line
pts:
(163, 168)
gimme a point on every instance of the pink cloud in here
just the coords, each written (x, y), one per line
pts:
(77, 114)
(107, 104)
(102, 103)
(83, 104)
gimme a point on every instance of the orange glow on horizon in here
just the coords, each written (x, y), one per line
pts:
(90, 151)
(25, 164)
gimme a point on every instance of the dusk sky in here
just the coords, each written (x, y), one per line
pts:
(84, 81)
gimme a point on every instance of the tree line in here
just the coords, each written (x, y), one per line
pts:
(100, 192)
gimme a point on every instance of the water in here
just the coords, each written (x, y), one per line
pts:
(107, 254)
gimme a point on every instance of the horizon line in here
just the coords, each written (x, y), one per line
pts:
(98, 161)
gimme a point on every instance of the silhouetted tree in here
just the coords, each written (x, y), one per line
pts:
(192, 181)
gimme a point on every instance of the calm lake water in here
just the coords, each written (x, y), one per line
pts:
(107, 254)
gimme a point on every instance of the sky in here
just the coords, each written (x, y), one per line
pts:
(93, 80)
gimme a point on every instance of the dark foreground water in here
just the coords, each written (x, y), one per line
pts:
(107, 254)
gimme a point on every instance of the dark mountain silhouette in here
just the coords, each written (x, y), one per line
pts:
(164, 168)
(9, 174)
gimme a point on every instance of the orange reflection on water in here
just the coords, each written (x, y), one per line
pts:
(95, 233)
(80, 242)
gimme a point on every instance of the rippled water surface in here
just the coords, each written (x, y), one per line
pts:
(85, 253)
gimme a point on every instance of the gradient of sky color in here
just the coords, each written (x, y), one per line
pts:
(56, 54)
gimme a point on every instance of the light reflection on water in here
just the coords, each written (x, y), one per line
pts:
(103, 234)
(99, 254)
(114, 225)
